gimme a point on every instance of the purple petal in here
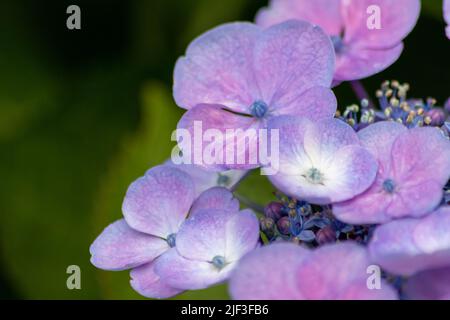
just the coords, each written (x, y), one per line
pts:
(228, 153)
(325, 13)
(357, 62)
(409, 246)
(345, 278)
(215, 198)
(416, 161)
(291, 58)
(397, 17)
(147, 283)
(242, 235)
(186, 274)
(429, 285)
(268, 273)
(218, 68)
(428, 160)
(202, 236)
(330, 147)
(317, 103)
(119, 247)
(287, 271)
(158, 202)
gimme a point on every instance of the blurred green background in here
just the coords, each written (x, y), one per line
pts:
(85, 112)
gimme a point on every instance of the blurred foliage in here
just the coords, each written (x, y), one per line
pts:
(84, 113)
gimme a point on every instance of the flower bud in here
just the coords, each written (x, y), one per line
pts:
(326, 235)
(274, 210)
(437, 116)
(267, 224)
(284, 225)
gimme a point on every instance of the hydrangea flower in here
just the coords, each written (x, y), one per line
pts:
(362, 49)
(321, 162)
(413, 168)
(447, 16)
(155, 207)
(209, 244)
(239, 75)
(429, 285)
(288, 271)
(408, 246)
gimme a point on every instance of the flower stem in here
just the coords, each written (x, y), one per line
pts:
(360, 91)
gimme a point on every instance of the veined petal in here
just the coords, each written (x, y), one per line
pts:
(158, 202)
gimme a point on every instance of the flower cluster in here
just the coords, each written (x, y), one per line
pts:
(366, 188)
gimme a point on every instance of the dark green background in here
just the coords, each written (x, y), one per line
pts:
(83, 113)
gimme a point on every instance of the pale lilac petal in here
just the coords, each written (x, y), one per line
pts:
(238, 151)
(317, 103)
(242, 235)
(398, 18)
(326, 137)
(158, 202)
(119, 247)
(268, 273)
(291, 58)
(215, 198)
(409, 246)
(147, 283)
(325, 13)
(429, 285)
(357, 62)
(202, 236)
(358, 290)
(218, 68)
(332, 148)
(204, 179)
(186, 274)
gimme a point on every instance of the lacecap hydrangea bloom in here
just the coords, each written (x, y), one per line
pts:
(363, 47)
(160, 211)
(413, 168)
(239, 75)
(290, 272)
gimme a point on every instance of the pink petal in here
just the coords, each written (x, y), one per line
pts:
(232, 152)
(119, 247)
(147, 283)
(317, 103)
(215, 198)
(398, 18)
(218, 68)
(158, 202)
(409, 246)
(202, 236)
(268, 273)
(186, 274)
(429, 285)
(325, 13)
(242, 235)
(329, 146)
(357, 62)
(291, 58)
